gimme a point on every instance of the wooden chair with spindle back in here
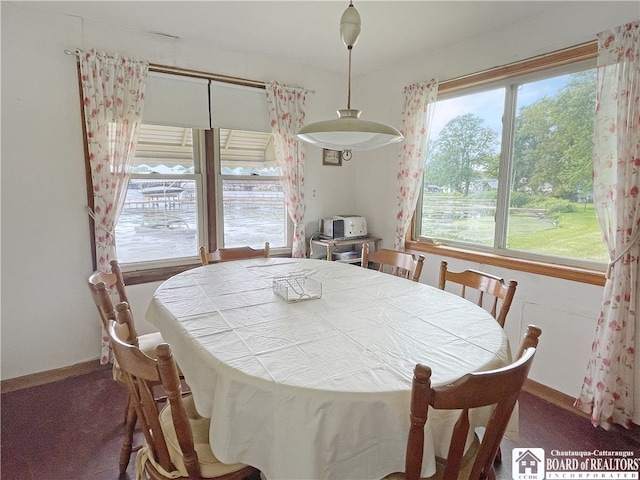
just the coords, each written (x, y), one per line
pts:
(112, 280)
(484, 283)
(177, 437)
(101, 285)
(500, 387)
(403, 264)
(236, 253)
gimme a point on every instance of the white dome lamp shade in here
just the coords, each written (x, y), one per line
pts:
(348, 132)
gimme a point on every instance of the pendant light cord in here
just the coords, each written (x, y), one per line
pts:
(350, 47)
(349, 84)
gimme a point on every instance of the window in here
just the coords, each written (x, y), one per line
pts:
(204, 173)
(162, 218)
(508, 168)
(252, 200)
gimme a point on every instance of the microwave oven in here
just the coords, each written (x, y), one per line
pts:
(343, 227)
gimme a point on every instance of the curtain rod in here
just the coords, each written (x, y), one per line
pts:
(207, 76)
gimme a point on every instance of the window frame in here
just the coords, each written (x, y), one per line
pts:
(216, 236)
(199, 162)
(502, 257)
(206, 155)
(206, 143)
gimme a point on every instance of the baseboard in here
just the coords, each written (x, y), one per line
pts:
(565, 401)
(555, 397)
(42, 378)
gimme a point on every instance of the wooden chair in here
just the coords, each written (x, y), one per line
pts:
(110, 280)
(100, 284)
(237, 253)
(177, 437)
(404, 264)
(499, 387)
(483, 283)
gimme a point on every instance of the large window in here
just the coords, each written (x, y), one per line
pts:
(204, 174)
(509, 166)
(164, 218)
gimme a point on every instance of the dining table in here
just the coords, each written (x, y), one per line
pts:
(314, 381)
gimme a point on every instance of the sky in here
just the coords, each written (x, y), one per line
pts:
(489, 105)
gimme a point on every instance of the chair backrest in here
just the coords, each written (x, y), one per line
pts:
(484, 283)
(141, 373)
(100, 285)
(403, 263)
(499, 387)
(237, 253)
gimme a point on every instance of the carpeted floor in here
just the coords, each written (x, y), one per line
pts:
(72, 430)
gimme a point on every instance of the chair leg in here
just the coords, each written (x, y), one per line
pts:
(126, 412)
(498, 458)
(127, 442)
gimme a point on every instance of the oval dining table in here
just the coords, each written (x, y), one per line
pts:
(319, 389)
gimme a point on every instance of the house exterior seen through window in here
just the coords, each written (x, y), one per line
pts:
(508, 169)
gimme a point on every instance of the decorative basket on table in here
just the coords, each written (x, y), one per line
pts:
(297, 288)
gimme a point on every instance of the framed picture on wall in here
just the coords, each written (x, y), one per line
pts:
(331, 157)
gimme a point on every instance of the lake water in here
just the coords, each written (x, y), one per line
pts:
(167, 227)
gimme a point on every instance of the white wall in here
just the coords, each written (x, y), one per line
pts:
(48, 319)
(565, 311)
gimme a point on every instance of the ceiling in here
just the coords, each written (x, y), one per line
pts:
(307, 32)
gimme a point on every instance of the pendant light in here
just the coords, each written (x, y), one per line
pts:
(348, 132)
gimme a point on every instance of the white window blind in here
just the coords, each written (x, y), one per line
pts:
(176, 100)
(238, 107)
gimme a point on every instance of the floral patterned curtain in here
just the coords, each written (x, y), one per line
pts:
(419, 100)
(608, 388)
(286, 112)
(113, 97)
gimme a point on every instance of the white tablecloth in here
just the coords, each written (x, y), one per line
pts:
(318, 389)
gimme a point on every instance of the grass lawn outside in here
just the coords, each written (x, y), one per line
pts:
(574, 235)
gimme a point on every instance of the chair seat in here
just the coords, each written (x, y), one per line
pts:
(147, 343)
(465, 469)
(210, 466)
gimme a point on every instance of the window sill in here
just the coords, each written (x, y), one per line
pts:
(591, 277)
(160, 274)
(137, 277)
